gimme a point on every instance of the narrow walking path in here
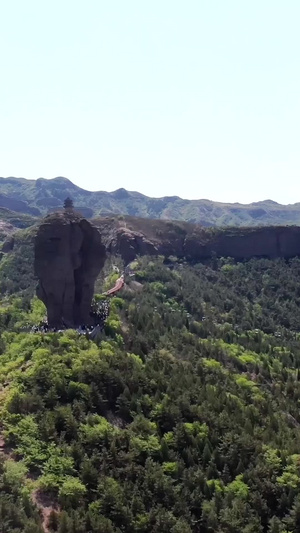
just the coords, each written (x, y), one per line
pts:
(117, 287)
(46, 505)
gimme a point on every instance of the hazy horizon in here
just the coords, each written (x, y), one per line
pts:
(196, 100)
(152, 196)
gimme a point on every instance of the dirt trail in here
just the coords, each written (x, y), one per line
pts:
(46, 505)
(118, 286)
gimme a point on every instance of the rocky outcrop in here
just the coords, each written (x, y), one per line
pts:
(8, 244)
(129, 244)
(245, 243)
(69, 255)
(195, 243)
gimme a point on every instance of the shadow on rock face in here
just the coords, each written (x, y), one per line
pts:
(69, 255)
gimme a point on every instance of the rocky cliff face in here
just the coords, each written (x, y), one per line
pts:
(128, 244)
(192, 242)
(244, 243)
(69, 255)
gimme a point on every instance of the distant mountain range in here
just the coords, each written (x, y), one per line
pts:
(39, 197)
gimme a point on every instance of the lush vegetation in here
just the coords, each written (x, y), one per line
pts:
(10, 222)
(16, 268)
(183, 417)
(18, 220)
(40, 196)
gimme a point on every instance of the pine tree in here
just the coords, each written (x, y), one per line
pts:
(64, 523)
(206, 456)
(275, 525)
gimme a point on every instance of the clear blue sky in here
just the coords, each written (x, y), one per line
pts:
(196, 98)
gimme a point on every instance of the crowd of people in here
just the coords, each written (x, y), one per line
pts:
(100, 311)
(99, 314)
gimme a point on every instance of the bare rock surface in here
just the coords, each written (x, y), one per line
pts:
(131, 237)
(69, 255)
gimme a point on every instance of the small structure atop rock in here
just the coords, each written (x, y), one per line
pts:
(69, 255)
(68, 203)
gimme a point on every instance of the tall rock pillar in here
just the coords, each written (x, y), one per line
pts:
(69, 255)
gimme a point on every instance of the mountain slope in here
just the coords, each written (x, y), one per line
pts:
(40, 196)
(10, 222)
(184, 418)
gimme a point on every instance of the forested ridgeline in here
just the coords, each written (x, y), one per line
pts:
(182, 417)
(38, 197)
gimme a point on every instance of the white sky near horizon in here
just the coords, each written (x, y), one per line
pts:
(199, 99)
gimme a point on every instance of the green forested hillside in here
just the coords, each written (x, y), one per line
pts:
(17, 220)
(183, 417)
(38, 197)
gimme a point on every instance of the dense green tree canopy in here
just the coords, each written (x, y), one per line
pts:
(182, 417)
